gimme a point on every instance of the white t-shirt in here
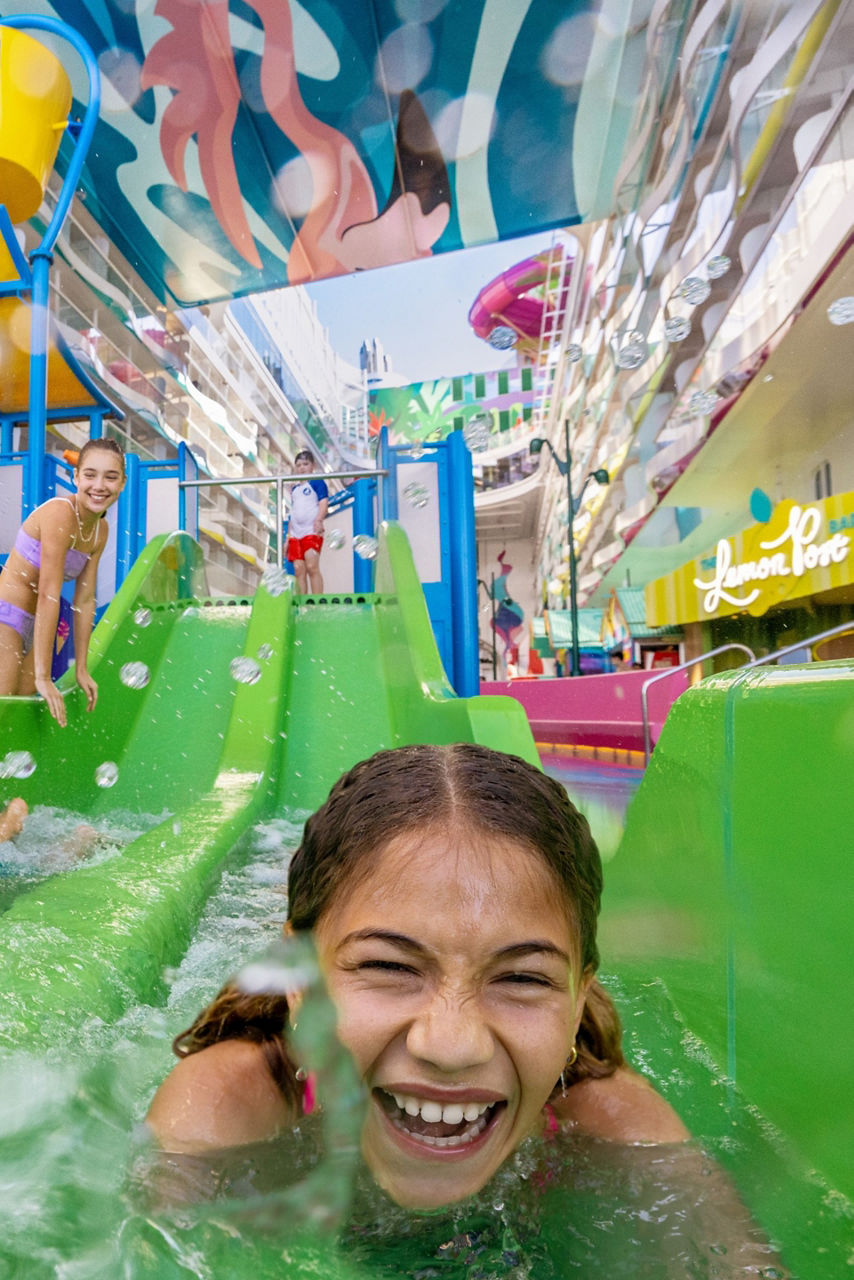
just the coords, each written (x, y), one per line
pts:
(305, 499)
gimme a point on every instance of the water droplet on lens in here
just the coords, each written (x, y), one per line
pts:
(703, 401)
(142, 617)
(365, 546)
(718, 266)
(676, 328)
(632, 351)
(416, 495)
(841, 311)
(694, 289)
(17, 764)
(265, 651)
(335, 539)
(107, 774)
(574, 353)
(135, 675)
(191, 612)
(476, 432)
(502, 337)
(245, 670)
(416, 450)
(277, 581)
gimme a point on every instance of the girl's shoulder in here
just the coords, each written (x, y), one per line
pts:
(57, 515)
(623, 1107)
(222, 1096)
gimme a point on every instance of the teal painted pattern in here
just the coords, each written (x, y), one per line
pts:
(246, 144)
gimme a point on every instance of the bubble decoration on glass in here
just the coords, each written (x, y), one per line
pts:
(265, 652)
(676, 328)
(477, 431)
(107, 774)
(574, 353)
(694, 289)
(335, 539)
(632, 350)
(841, 311)
(135, 675)
(416, 495)
(365, 546)
(277, 581)
(17, 764)
(703, 401)
(502, 337)
(142, 617)
(718, 266)
(245, 670)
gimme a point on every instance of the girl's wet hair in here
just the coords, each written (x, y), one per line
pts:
(103, 442)
(463, 787)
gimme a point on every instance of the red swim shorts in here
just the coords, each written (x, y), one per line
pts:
(297, 547)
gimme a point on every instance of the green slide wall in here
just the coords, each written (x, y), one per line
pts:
(731, 889)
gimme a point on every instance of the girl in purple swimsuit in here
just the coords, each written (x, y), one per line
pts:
(61, 540)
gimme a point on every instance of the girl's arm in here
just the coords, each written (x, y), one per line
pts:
(84, 619)
(55, 536)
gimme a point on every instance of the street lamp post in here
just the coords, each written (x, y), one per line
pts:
(601, 476)
(490, 591)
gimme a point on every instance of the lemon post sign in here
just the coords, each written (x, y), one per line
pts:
(802, 550)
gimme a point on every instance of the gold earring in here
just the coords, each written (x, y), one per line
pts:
(572, 1057)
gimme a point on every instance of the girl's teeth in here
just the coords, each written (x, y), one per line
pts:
(432, 1112)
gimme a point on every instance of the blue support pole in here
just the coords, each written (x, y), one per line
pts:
(127, 516)
(463, 567)
(34, 486)
(35, 489)
(364, 495)
(387, 461)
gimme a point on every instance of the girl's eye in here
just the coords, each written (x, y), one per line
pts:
(386, 966)
(526, 979)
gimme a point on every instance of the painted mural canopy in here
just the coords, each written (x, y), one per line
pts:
(248, 144)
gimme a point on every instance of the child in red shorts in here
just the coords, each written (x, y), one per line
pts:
(309, 504)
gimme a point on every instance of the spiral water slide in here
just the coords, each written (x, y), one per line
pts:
(215, 752)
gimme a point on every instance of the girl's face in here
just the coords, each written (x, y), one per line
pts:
(456, 980)
(99, 479)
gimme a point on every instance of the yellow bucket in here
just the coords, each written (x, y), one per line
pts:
(35, 98)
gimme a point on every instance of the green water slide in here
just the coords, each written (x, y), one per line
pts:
(213, 747)
(729, 903)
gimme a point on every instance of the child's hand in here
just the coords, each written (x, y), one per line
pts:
(53, 698)
(87, 684)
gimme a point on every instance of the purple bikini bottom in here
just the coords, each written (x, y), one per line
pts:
(19, 620)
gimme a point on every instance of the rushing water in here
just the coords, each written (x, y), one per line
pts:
(55, 840)
(84, 1196)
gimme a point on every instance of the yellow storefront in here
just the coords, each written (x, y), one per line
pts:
(776, 583)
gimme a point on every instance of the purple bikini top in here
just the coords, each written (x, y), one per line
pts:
(31, 550)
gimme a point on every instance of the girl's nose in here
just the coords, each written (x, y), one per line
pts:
(450, 1033)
